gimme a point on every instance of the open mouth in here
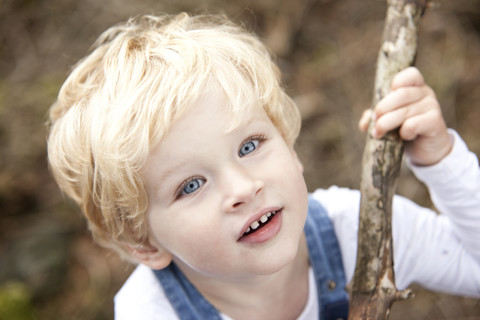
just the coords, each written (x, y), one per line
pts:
(260, 223)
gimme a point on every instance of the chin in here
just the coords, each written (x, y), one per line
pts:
(283, 256)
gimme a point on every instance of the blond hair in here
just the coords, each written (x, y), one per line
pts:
(121, 99)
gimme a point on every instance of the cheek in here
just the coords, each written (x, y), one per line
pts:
(291, 170)
(294, 181)
(193, 241)
(205, 255)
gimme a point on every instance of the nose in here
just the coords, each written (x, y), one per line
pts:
(240, 186)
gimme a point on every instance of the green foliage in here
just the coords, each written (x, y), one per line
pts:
(15, 302)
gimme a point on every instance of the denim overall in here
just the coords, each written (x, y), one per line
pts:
(325, 259)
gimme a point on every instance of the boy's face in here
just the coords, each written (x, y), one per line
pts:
(208, 186)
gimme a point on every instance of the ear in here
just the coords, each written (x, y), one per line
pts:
(152, 256)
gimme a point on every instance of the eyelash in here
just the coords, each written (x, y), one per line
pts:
(260, 138)
(179, 192)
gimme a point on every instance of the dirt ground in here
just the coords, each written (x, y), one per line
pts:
(49, 266)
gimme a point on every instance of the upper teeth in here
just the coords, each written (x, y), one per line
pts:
(263, 219)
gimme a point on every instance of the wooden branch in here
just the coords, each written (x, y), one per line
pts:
(373, 287)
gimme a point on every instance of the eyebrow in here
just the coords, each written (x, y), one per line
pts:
(255, 123)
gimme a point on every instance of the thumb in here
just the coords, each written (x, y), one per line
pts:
(365, 119)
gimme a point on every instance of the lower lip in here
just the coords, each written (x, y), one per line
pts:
(267, 232)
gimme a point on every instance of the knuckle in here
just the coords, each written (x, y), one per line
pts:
(407, 130)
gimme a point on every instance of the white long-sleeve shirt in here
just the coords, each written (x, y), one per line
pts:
(440, 252)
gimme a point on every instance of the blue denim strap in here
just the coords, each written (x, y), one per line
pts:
(326, 260)
(188, 303)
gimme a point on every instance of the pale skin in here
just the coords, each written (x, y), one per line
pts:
(412, 107)
(202, 231)
(206, 184)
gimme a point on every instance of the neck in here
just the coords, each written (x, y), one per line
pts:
(259, 297)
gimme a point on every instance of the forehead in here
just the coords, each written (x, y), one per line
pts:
(220, 107)
(213, 112)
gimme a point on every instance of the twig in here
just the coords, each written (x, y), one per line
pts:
(373, 286)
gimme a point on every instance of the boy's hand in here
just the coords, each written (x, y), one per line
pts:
(412, 107)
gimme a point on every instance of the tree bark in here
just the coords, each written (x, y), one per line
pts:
(373, 287)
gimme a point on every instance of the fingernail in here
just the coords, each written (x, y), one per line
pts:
(374, 133)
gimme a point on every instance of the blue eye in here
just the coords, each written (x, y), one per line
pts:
(192, 185)
(248, 147)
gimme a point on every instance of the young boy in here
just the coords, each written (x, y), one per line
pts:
(176, 139)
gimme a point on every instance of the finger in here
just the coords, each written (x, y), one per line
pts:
(427, 124)
(409, 129)
(426, 149)
(409, 77)
(399, 99)
(389, 121)
(365, 119)
(411, 121)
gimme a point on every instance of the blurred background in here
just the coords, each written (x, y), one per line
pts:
(49, 266)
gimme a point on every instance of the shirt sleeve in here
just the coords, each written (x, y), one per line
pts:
(440, 252)
(454, 186)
